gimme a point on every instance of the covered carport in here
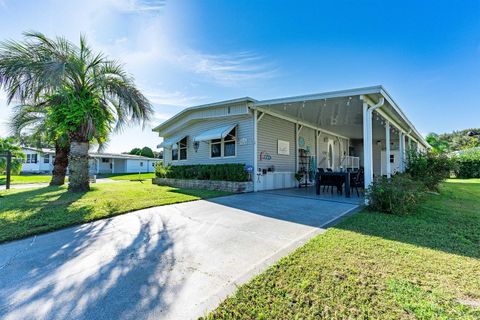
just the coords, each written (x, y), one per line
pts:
(377, 133)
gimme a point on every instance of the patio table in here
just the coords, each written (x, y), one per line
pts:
(343, 177)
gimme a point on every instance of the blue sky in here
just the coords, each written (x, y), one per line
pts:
(182, 53)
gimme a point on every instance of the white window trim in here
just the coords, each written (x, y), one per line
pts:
(222, 147)
(178, 149)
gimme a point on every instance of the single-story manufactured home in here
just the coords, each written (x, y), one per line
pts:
(41, 160)
(340, 130)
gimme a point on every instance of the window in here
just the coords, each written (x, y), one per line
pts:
(216, 148)
(46, 158)
(225, 147)
(31, 158)
(182, 147)
(180, 152)
(141, 164)
(229, 144)
(174, 154)
(392, 158)
(105, 160)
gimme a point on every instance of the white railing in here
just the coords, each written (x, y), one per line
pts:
(351, 162)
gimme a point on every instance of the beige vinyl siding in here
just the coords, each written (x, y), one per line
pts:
(236, 109)
(244, 152)
(269, 130)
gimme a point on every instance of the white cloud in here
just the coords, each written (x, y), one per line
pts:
(147, 37)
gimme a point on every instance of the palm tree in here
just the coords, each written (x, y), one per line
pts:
(34, 118)
(92, 95)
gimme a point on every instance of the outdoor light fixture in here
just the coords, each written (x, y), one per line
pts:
(196, 145)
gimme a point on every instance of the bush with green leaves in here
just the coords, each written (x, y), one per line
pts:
(219, 172)
(468, 164)
(8, 145)
(398, 195)
(429, 168)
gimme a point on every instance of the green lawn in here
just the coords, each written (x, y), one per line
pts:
(128, 176)
(378, 266)
(25, 212)
(23, 179)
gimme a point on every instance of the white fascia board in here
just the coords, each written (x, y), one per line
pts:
(199, 107)
(395, 106)
(320, 96)
(177, 129)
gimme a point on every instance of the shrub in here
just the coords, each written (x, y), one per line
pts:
(468, 164)
(219, 172)
(398, 195)
(429, 168)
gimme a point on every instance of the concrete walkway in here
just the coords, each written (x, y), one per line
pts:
(170, 262)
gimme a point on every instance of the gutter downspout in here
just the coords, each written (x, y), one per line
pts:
(255, 151)
(367, 143)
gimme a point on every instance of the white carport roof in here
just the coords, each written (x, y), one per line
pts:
(340, 111)
(335, 111)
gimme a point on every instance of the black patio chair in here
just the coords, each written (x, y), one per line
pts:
(357, 180)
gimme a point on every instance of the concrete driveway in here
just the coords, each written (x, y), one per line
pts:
(170, 262)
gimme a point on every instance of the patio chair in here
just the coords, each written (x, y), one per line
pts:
(357, 181)
(328, 182)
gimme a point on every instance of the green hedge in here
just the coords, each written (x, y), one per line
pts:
(429, 168)
(219, 172)
(468, 165)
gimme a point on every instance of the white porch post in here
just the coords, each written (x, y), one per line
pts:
(255, 151)
(113, 165)
(316, 148)
(296, 147)
(367, 140)
(387, 149)
(98, 165)
(367, 145)
(401, 146)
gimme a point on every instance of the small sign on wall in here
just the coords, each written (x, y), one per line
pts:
(242, 141)
(283, 147)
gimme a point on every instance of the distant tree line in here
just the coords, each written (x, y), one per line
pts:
(454, 141)
(146, 152)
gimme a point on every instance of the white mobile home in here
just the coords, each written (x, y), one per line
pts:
(279, 137)
(41, 161)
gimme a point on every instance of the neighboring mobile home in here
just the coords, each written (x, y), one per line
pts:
(279, 137)
(41, 161)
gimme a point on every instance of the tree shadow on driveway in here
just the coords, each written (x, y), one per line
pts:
(91, 271)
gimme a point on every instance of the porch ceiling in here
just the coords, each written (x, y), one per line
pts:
(341, 115)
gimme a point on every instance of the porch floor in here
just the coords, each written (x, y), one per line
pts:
(309, 192)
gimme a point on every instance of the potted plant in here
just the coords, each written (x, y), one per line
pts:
(298, 177)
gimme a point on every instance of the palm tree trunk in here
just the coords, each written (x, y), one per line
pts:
(60, 165)
(78, 167)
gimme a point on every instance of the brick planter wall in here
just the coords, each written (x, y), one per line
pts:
(228, 186)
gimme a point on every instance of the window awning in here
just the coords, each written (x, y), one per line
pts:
(171, 142)
(217, 133)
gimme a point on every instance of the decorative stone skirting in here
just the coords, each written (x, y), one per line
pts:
(228, 186)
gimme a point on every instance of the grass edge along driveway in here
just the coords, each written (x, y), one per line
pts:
(378, 266)
(27, 212)
(25, 179)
